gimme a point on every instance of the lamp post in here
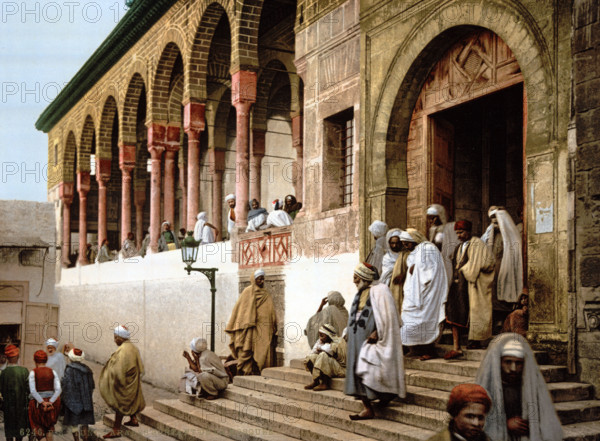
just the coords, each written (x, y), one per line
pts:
(189, 254)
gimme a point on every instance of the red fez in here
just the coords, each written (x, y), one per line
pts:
(11, 351)
(463, 225)
(77, 352)
(464, 394)
(40, 357)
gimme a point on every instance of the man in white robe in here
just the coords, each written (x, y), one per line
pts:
(393, 248)
(230, 199)
(442, 235)
(56, 360)
(375, 257)
(504, 240)
(425, 294)
(523, 408)
(203, 231)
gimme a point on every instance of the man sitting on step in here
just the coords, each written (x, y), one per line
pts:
(523, 408)
(327, 359)
(207, 374)
(468, 406)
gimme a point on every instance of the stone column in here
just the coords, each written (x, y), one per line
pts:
(156, 137)
(126, 164)
(65, 192)
(183, 186)
(258, 153)
(139, 199)
(217, 162)
(297, 143)
(102, 177)
(193, 124)
(83, 187)
(243, 95)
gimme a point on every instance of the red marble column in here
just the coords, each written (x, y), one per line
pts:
(258, 153)
(102, 177)
(193, 124)
(183, 186)
(217, 161)
(243, 95)
(139, 199)
(127, 164)
(65, 192)
(172, 146)
(83, 187)
(156, 138)
(297, 143)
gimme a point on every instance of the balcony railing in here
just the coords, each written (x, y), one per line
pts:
(270, 247)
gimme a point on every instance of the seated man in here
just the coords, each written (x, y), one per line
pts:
(207, 374)
(204, 232)
(292, 206)
(168, 239)
(468, 406)
(257, 216)
(327, 359)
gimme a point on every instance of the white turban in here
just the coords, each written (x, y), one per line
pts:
(229, 197)
(198, 344)
(364, 272)
(123, 332)
(166, 223)
(431, 211)
(378, 228)
(513, 348)
(328, 330)
(52, 342)
(201, 215)
(74, 357)
(406, 237)
(259, 272)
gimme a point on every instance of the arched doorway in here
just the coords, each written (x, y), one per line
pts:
(466, 136)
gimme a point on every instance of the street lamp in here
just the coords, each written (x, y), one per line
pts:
(189, 254)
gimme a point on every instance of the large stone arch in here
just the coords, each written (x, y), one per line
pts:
(260, 109)
(69, 156)
(109, 110)
(386, 178)
(197, 66)
(85, 145)
(158, 105)
(244, 36)
(130, 108)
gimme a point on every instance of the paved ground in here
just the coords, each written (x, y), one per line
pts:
(151, 394)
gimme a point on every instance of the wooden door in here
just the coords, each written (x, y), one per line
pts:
(442, 163)
(41, 323)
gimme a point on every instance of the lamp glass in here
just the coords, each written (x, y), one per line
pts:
(189, 249)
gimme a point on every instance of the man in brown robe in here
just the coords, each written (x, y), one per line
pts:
(121, 382)
(470, 296)
(252, 328)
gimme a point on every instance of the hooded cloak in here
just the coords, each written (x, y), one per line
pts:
(202, 232)
(375, 258)
(390, 257)
(334, 313)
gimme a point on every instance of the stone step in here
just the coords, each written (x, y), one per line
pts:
(468, 368)
(180, 430)
(95, 432)
(588, 431)
(477, 354)
(218, 423)
(338, 415)
(568, 412)
(141, 433)
(285, 420)
(563, 391)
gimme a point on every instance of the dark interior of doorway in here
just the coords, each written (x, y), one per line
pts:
(488, 155)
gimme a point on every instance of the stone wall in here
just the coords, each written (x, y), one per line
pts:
(586, 91)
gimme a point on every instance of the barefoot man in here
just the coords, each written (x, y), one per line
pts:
(121, 382)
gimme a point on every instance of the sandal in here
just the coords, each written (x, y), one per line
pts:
(358, 417)
(453, 354)
(112, 434)
(426, 357)
(132, 423)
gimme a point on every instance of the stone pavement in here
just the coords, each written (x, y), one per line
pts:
(151, 394)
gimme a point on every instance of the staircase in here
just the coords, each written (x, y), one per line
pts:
(275, 406)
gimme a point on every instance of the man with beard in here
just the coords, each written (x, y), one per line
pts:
(374, 365)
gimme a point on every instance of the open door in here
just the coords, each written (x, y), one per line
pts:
(41, 322)
(442, 166)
